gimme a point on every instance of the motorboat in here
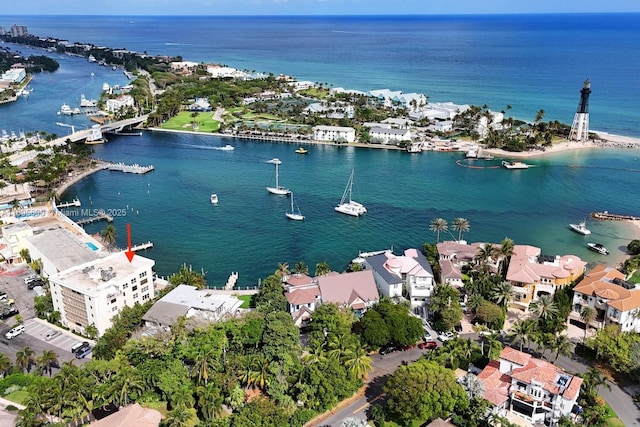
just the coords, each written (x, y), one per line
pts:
(87, 103)
(302, 150)
(580, 228)
(214, 199)
(597, 247)
(472, 153)
(66, 110)
(514, 165)
(227, 147)
(278, 189)
(347, 206)
(294, 213)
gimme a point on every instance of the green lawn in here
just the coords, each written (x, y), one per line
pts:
(246, 300)
(17, 396)
(184, 121)
(635, 277)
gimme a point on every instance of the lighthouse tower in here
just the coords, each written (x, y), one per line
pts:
(580, 126)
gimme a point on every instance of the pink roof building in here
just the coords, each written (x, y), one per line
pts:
(356, 290)
(533, 388)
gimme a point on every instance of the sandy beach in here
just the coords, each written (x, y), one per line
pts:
(60, 189)
(605, 140)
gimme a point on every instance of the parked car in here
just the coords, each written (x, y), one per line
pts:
(428, 345)
(79, 347)
(12, 333)
(51, 335)
(7, 312)
(80, 354)
(37, 282)
(446, 336)
(387, 349)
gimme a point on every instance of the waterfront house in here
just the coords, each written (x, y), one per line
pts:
(303, 295)
(334, 133)
(532, 274)
(356, 290)
(452, 256)
(531, 388)
(117, 104)
(389, 136)
(199, 306)
(615, 301)
(407, 275)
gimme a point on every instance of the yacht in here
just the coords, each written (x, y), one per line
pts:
(214, 199)
(227, 147)
(580, 228)
(278, 189)
(66, 110)
(348, 206)
(514, 165)
(84, 102)
(472, 153)
(597, 247)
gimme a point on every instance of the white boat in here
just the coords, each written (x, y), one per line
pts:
(597, 247)
(84, 102)
(214, 199)
(580, 228)
(227, 147)
(472, 153)
(278, 189)
(348, 206)
(65, 110)
(514, 165)
(294, 213)
(415, 147)
(91, 58)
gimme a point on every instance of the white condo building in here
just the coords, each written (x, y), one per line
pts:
(94, 292)
(334, 133)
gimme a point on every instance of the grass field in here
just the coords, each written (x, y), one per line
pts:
(184, 121)
(246, 300)
(17, 396)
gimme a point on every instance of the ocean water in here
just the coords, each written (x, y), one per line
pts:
(529, 62)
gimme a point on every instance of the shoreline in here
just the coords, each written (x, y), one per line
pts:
(604, 141)
(60, 189)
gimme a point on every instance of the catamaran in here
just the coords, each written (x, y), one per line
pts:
(294, 213)
(348, 206)
(278, 189)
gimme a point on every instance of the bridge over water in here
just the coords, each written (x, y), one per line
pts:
(111, 127)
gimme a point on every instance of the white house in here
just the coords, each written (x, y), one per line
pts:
(14, 75)
(334, 133)
(531, 388)
(93, 292)
(409, 274)
(614, 300)
(389, 136)
(117, 104)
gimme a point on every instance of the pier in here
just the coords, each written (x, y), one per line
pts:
(614, 217)
(142, 246)
(75, 202)
(102, 216)
(231, 281)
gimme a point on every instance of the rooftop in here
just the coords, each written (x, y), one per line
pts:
(62, 247)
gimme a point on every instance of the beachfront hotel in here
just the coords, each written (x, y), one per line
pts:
(93, 292)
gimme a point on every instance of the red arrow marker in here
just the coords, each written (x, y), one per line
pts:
(129, 253)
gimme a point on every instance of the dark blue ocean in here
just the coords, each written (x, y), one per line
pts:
(528, 62)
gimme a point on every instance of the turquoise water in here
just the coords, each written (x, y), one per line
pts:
(248, 232)
(528, 62)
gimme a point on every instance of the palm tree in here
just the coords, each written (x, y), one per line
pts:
(587, 315)
(260, 368)
(562, 346)
(315, 354)
(544, 307)
(472, 385)
(322, 269)
(522, 331)
(594, 379)
(461, 225)
(178, 417)
(438, 225)
(5, 364)
(126, 382)
(484, 253)
(301, 268)
(109, 234)
(358, 362)
(283, 270)
(24, 359)
(503, 294)
(210, 401)
(47, 360)
(505, 251)
(339, 346)
(203, 363)
(474, 301)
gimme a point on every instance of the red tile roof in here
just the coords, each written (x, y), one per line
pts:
(515, 356)
(302, 296)
(496, 384)
(598, 282)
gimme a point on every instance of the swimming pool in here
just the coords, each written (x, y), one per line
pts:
(92, 246)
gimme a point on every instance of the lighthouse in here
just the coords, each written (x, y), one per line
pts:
(580, 126)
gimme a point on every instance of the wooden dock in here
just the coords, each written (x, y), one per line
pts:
(142, 246)
(613, 217)
(102, 216)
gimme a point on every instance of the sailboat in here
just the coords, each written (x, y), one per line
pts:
(348, 206)
(294, 213)
(278, 189)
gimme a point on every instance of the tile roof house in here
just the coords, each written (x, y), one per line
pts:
(533, 274)
(615, 301)
(531, 388)
(397, 275)
(132, 415)
(452, 256)
(356, 290)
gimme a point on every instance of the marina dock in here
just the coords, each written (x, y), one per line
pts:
(102, 216)
(142, 246)
(135, 168)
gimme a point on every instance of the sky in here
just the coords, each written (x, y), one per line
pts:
(311, 7)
